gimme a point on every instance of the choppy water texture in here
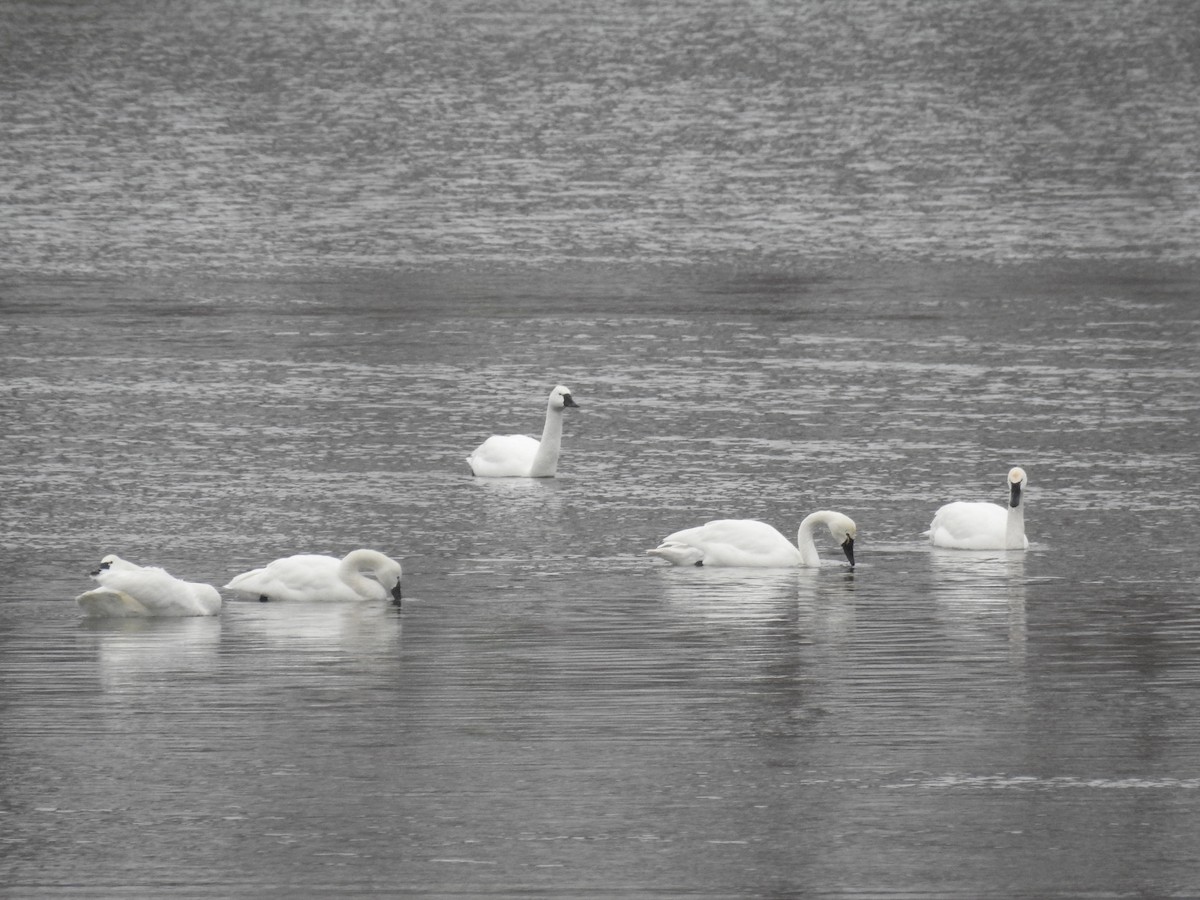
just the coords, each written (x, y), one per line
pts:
(272, 271)
(375, 134)
(552, 711)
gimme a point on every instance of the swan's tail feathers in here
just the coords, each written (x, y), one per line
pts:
(679, 554)
(106, 603)
(238, 582)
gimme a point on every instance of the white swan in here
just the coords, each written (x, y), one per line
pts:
(748, 542)
(311, 577)
(520, 456)
(983, 526)
(127, 590)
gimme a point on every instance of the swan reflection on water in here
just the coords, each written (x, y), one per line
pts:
(134, 652)
(981, 594)
(358, 627)
(755, 595)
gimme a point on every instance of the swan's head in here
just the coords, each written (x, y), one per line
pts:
(844, 531)
(388, 574)
(111, 561)
(382, 568)
(560, 397)
(1016, 484)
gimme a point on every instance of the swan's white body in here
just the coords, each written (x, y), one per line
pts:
(983, 526)
(748, 542)
(520, 456)
(128, 590)
(315, 578)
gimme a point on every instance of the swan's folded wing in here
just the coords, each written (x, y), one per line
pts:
(247, 582)
(106, 603)
(504, 455)
(967, 525)
(300, 577)
(678, 554)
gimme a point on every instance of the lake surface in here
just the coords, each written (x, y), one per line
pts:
(552, 711)
(271, 273)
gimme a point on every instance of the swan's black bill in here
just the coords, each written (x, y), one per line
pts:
(568, 400)
(848, 549)
(1014, 495)
(96, 572)
(396, 594)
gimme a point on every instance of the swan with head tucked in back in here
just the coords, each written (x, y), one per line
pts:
(748, 542)
(966, 525)
(359, 575)
(520, 456)
(128, 590)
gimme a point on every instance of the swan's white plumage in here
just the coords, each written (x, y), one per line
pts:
(128, 590)
(964, 525)
(311, 577)
(748, 542)
(520, 456)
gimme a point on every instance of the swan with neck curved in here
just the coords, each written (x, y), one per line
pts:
(748, 542)
(128, 590)
(520, 456)
(963, 525)
(310, 577)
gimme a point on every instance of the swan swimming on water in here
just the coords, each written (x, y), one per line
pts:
(748, 542)
(128, 590)
(983, 526)
(311, 577)
(520, 456)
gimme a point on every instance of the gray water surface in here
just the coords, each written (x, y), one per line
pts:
(270, 271)
(552, 711)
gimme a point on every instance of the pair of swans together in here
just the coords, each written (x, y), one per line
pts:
(128, 590)
(727, 542)
(747, 542)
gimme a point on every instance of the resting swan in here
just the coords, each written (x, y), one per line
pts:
(983, 526)
(128, 590)
(311, 577)
(520, 456)
(748, 542)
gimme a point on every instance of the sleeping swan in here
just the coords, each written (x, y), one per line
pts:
(128, 590)
(323, 578)
(520, 456)
(748, 542)
(983, 526)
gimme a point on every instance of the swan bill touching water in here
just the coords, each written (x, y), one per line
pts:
(984, 526)
(520, 456)
(128, 590)
(748, 542)
(325, 579)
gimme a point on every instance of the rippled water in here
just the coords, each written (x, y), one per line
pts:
(552, 711)
(371, 134)
(270, 272)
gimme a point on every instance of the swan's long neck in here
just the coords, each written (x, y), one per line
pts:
(1014, 528)
(350, 572)
(545, 462)
(804, 537)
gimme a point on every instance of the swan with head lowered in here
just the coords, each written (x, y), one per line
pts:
(966, 525)
(128, 590)
(748, 542)
(308, 577)
(520, 456)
